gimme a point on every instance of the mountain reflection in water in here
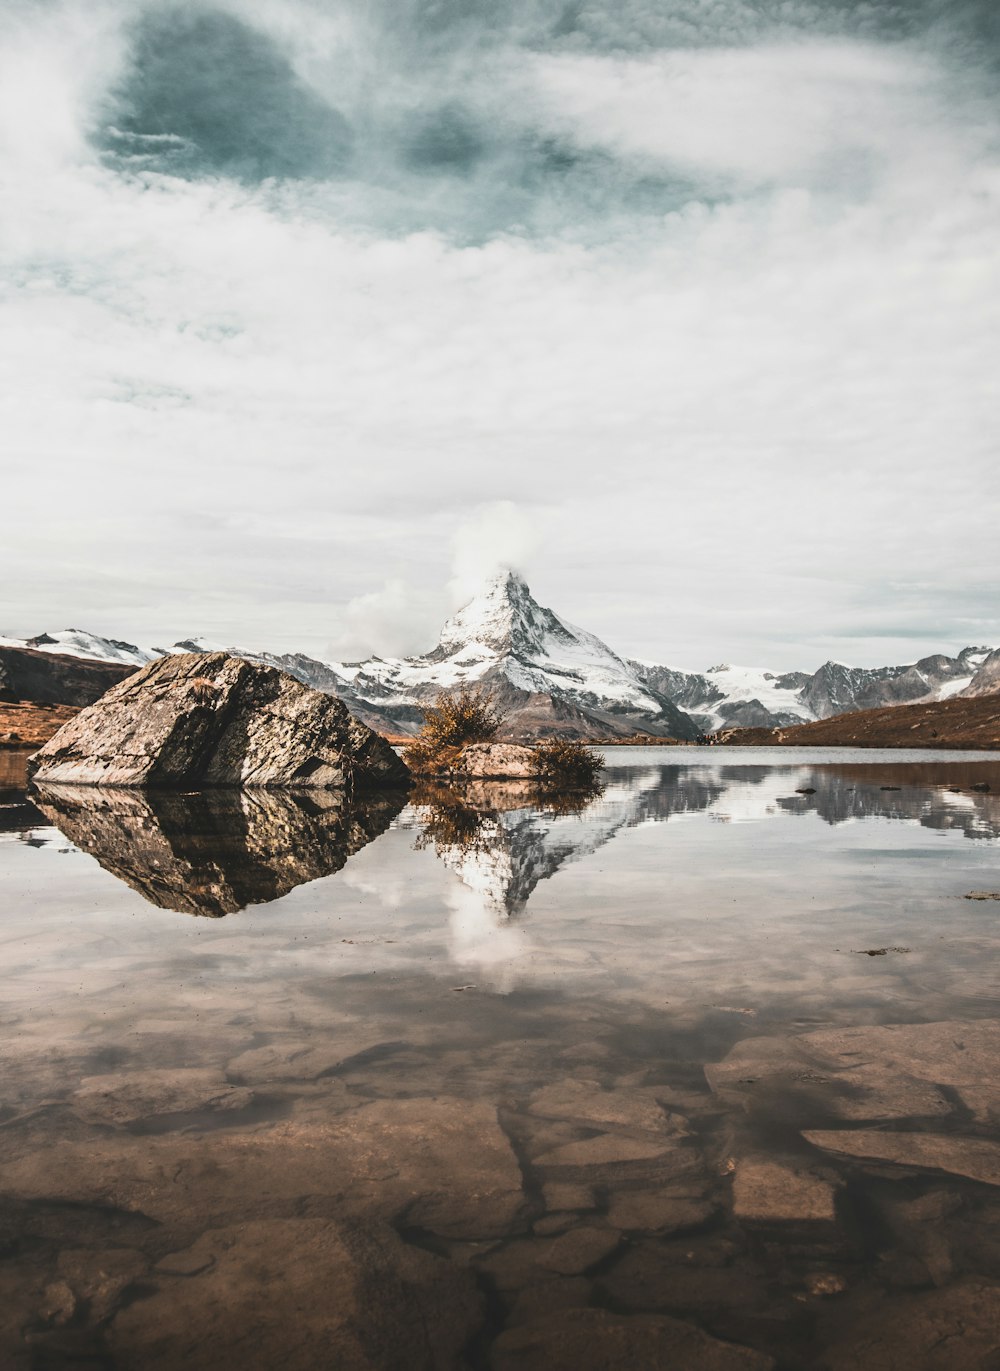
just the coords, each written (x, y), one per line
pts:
(501, 840)
(215, 852)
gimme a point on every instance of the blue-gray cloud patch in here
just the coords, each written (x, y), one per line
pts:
(428, 139)
(444, 139)
(208, 94)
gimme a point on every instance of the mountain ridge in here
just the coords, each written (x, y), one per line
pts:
(552, 677)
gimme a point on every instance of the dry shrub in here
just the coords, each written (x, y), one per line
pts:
(430, 759)
(451, 723)
(202, 689)
(565, 762)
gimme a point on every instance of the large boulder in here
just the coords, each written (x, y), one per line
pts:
(210, 719)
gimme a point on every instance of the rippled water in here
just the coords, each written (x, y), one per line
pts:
(696, 1073)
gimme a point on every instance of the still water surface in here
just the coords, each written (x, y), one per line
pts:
(698, 1073)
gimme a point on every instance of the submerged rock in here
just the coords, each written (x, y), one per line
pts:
(868, 1073)
(621, 1111)
(597, 1340)
(209, 719)
(957, 1329)
(772, 1190)
(216, 852)
(361, 1299)
(976, 1158)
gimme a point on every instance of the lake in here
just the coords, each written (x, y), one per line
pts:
(696, 1073)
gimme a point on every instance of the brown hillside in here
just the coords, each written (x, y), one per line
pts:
(55, 677)
(958, 723)
(31, 725)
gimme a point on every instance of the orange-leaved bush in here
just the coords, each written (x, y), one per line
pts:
(451, 723)
(566, 762)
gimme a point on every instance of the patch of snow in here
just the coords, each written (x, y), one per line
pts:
(74, 642)
(953, 687)
(741, 684)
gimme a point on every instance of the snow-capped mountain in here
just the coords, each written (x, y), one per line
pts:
(554, 678)
(74, 642)
(549, 676)
(986, 680)
(743, 697)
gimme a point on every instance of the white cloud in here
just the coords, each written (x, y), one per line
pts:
(396, 620)
(832, 115)
(740, 423)
(496, 537)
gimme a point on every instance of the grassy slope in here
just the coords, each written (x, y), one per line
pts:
(958, 723)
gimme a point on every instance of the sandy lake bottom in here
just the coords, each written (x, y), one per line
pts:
(699, 1074)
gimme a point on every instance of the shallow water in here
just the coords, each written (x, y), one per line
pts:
(480, 1063)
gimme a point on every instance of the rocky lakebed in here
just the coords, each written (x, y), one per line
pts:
(699, 1072)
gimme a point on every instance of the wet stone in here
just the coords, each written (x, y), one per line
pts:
(772, 1191)
(587, 1103)
(127, 1098)
(515, 1265)
(825, 1283)
(650, 1211)
(559, 1195)
(903, 1271)
(606, 1149)
(549, 1224)
(596, 1340)
(537, 1301)
(956, 1329)
(296, 1060)
(578, 1250)
(191, 1262)
(889, 1071)
(58, 1303)
(101, 1277)
(976, 1158)
(361, 1299)
(444, 1164)
(649, 1278)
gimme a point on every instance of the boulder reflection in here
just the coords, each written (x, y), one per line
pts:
(213, 853)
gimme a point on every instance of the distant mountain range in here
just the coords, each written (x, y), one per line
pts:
(552, 677)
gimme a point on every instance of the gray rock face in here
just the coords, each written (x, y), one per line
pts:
(216, 720)
(987, 679)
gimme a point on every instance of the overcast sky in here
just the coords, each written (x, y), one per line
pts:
(313, 311)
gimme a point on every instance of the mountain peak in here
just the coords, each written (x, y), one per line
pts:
(502, 615)
(507, 584)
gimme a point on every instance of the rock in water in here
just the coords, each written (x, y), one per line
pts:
(502, 761)
(209, 719)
